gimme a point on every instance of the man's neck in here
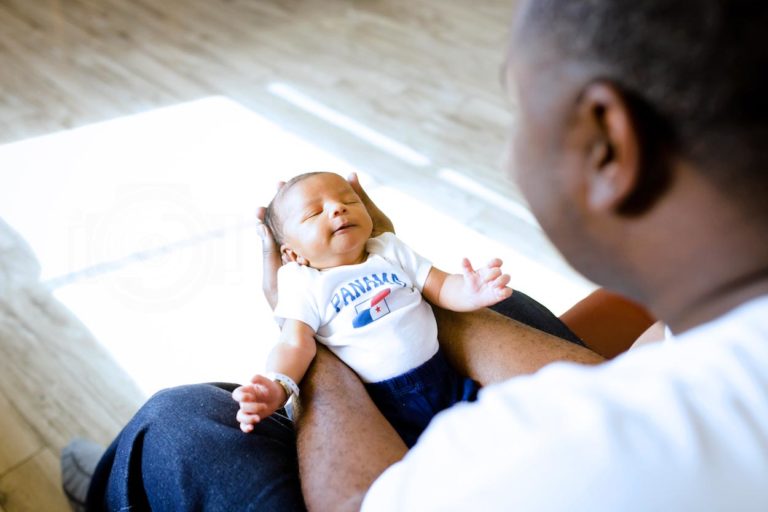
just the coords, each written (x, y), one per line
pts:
(719, 301)
(704, 264)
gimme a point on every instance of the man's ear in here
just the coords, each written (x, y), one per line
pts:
(614, 155)
(289, 255)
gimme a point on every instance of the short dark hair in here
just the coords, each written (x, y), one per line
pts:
(701, 66)
(271, 217)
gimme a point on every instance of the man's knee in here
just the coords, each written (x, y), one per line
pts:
(197, 407)
(182, 400)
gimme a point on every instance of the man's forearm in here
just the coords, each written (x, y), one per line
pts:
(490, 347)
(344, 442)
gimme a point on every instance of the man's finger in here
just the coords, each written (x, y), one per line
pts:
(267, 240)
(271, 259)
(354, 182)
(381, 223)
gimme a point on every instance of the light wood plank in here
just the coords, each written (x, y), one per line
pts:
(19, 442)
(59, 379)
(34, 486)
(426, 71)
(56, 382)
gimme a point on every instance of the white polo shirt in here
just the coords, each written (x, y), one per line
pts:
(676, 426)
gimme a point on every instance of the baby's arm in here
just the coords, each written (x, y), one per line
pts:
(474, 289)
(291, 356)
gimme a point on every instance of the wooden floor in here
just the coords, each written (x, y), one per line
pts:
(56, 383)
(426, 73)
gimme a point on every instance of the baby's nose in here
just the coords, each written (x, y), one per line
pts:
(337, 209)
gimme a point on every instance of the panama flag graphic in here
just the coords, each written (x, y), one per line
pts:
(371, 310)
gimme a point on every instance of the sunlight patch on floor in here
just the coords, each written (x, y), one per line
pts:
(144, 228)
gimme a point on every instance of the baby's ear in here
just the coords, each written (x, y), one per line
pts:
(289, 255)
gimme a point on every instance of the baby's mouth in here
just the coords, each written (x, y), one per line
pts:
(343, 228)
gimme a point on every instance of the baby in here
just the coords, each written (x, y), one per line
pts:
(361, 296)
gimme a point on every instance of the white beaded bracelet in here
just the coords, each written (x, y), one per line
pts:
(291, 389)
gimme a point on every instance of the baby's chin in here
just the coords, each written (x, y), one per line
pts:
(341, 259)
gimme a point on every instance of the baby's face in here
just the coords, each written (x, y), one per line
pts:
(325, 224)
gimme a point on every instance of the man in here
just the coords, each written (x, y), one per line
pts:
(640, 146)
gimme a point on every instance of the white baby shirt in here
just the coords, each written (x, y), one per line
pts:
(371, 315)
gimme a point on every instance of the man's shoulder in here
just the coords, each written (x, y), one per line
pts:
(676, 418)
(751, 316)
(744, 329)
(664, 391)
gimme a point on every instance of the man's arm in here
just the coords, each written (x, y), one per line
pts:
(344, 442)
(490, 347)
(342, 433)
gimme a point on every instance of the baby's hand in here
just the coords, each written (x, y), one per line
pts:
(486, 286)
(258, 400)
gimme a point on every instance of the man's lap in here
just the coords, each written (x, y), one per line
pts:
(184, 450)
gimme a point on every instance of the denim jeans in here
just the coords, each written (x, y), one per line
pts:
(183, 450)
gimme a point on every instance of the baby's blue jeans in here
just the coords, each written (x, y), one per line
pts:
(410, 401)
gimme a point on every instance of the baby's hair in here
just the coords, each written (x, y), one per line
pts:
(271, 217)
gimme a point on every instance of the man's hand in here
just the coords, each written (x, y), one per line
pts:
(257, 401)
(381, 223)
(271, 257)
(487, 285)
(271, 252)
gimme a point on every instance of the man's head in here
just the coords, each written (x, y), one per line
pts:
(317, 219)
(616, 96)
